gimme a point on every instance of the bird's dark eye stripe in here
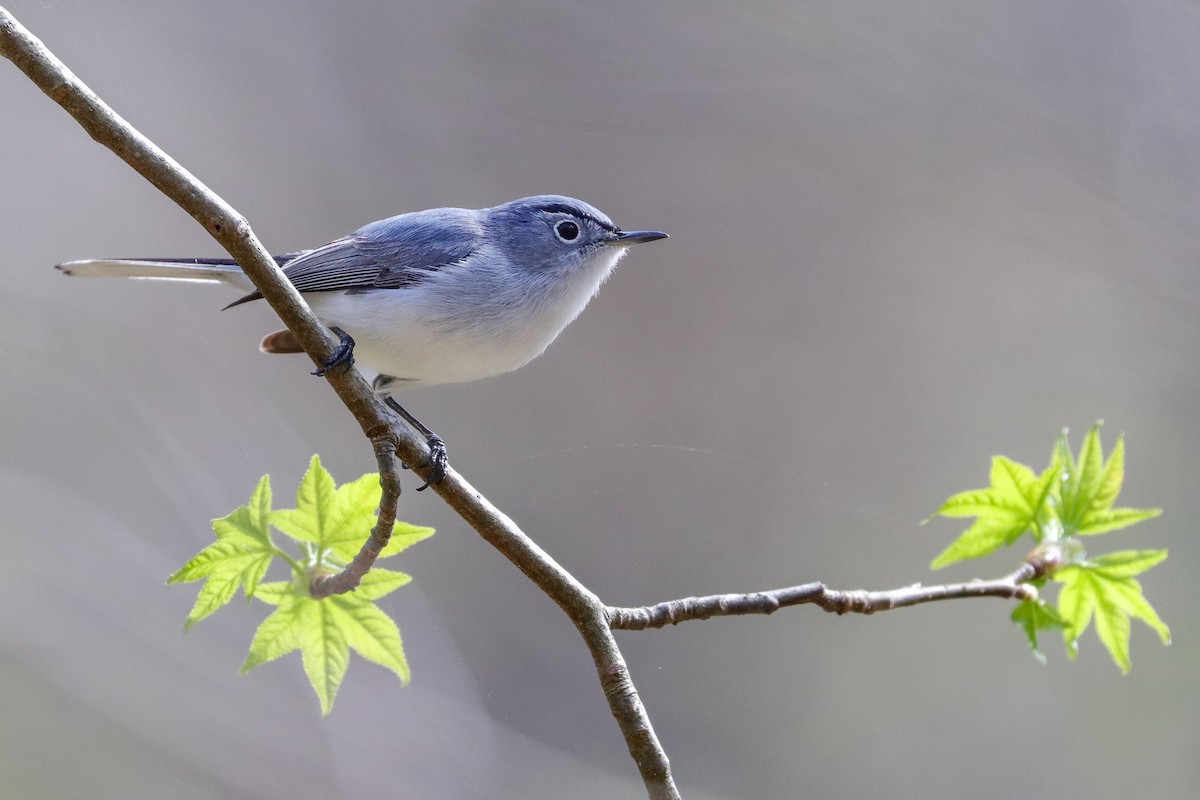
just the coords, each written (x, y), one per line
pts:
(558, 208)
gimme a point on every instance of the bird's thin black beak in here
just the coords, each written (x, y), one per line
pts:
(636, 237)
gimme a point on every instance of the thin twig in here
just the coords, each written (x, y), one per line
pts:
(389, 479)
(1013, 586)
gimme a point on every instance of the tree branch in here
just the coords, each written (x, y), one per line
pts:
(1013, 586)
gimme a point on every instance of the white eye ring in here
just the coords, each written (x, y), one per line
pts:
(567, 231)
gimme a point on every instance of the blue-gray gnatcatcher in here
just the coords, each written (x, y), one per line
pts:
(438, 296)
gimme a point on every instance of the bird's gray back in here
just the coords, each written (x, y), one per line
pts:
(393, 253)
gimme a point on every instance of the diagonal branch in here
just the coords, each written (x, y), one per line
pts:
(1016, 585)
(388, 438)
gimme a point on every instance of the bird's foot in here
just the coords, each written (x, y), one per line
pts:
(342, 357)
(438, 462)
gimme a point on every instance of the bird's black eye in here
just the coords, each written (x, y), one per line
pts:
(566, 231)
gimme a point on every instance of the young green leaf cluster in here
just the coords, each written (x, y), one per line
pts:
(1072, 497)
(328, 526)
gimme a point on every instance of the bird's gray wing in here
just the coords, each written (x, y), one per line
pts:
(393, 253)
(407, 249)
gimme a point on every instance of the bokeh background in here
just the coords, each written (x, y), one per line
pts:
(905, 237)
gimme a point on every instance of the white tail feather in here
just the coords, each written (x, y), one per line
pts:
(157, 270)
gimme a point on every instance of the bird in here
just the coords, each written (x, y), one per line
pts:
(444, 295)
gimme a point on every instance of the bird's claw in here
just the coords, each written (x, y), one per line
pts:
(438, 462)
(342, 357)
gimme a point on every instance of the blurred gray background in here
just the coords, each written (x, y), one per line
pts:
(905, 237)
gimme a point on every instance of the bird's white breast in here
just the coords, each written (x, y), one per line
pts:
(464, 323)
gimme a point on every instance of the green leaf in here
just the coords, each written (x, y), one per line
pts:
(1112, 477)
(1127, 563)
(331, 523)
(314, 501)
(1104, 521)
(1015, 480)
(1068, 477)
(323, 651)
(299, 525)
(1129, 596)
(1112, 626)
(353, 515)
(404, 536)
(1034, 616)
(339, 521)
(1047, 526)
(1068, 498)
(1084, 483)
(325, 630)
(1112, 599)
(240, 556)
(1004, 511)
(1089, 490)
(217, 590)
(983, 538)
(275, 592)
(279, 633)
(260, 511)
(354, 506)
(1075, 605)
(380, 582)
(371, 633)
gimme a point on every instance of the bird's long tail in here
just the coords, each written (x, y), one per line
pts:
(198, 270)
